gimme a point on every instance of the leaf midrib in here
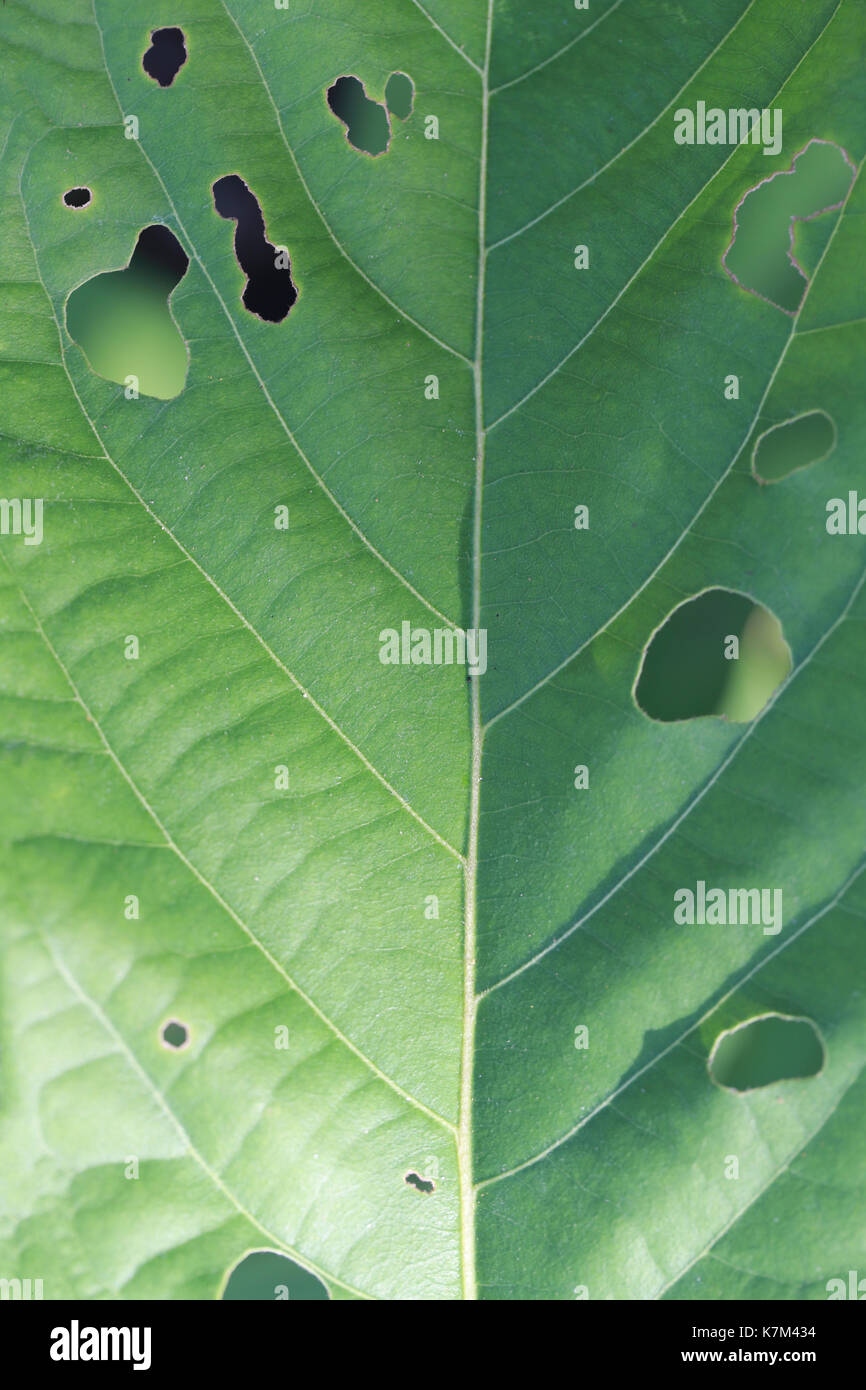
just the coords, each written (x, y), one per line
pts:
(470, 859)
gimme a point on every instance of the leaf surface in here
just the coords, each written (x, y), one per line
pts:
(382, 967)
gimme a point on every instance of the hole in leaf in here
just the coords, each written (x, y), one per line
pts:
(270, 291)
(166, 55)
(121, 319)
(268, 1275)
(720, 653)
(761, 256)
(399, 95)
(77, 197)
(767, 1049)
(795, 444)
(420, 1184)
(174, 1034)
(367, 126)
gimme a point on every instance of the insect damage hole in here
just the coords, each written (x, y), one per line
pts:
(718, 654)
(174, 1035)
(77, 197)
(420, 1184)
(270, 291)
(399, 95)
(122, 322)
(267, 1275)
(166, 55)
(761, 256)
(368, 128)
(794, 444)
(769, 1048)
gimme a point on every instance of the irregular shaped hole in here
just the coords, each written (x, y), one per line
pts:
(77, 197)
(367, 126)
(268, 1275)
(770, 1048)
(270, 291)
(174, 1034)
(795, 444)
(399, 95)
(420, 1184)
(760, 257)
(122, 322)
(166, 55)
(686, 674)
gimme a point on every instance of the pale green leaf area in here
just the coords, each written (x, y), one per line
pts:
(441, 1035)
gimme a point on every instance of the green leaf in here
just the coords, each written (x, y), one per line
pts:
(441, 1034)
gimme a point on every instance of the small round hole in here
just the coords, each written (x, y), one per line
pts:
(174, 1034)
(77, 197)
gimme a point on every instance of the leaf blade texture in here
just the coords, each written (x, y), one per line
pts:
(373, 894)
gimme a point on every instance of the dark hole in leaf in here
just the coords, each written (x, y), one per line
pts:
(77, 197)
(795, 444)
(268, 1275)
(366, 121)
(421, 1184)
(689, 669)
(159, 253)
(121, 321)
(270, 291)
(174, 1034)
(166, 55)
(399, 95)
(765, 1050)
